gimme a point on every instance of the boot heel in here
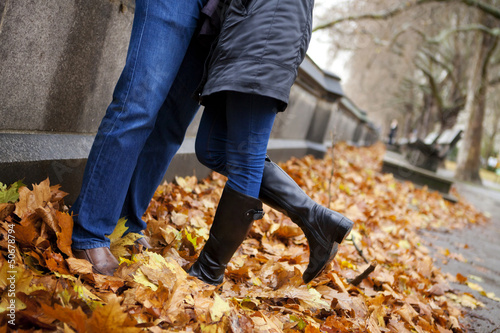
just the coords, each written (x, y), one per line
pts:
(343, 229)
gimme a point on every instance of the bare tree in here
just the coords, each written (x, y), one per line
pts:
(469, 160)
(418, 61)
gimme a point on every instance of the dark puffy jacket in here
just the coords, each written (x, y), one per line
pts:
(260, 47)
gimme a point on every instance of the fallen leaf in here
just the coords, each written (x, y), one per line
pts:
(111, 318)
(219, 308)
(79, 266)
(461, 279)
(75, 318)
(64, 241)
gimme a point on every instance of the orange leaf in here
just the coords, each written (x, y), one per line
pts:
(75, 318)
(79, 266)
(65, 222)
(461, 279)
(55, 262)
(26, 231)
(111, 318)
(6, 209)
(108, 282)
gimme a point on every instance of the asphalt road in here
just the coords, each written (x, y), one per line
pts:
(480, 246)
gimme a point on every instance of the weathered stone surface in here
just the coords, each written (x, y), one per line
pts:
(59, 62)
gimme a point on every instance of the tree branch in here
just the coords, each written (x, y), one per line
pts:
(432, 84)
(487, 8)
(466, 28)
(357, 280)
(386, 14)
(382, 15)
(434, 59)
(360, 252)
(494, 81)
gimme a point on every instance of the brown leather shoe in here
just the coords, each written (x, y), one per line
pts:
(144, 242)
(101, 259)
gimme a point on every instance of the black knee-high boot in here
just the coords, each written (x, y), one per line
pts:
(233, 219)
(324, 229)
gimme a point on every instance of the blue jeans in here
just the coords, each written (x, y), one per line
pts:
(145, 123)
(233, 135)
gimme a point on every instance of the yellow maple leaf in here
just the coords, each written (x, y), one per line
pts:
(118, 241)
(404, 244)
(219, 308)
(475, 286)
(86, 295)
(466, 300)
(21, 281)
(490, 296)
(141, 278)
(120, 229)
(118, 247)
(315, 301)
(186, 183)
(155, 262)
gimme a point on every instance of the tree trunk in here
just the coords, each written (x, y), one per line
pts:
(426, 116)
(490, 146)
(469, 157)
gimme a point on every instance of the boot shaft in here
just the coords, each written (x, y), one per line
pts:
(232, 222)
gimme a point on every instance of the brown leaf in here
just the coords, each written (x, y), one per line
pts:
(55, 262)
(6, 209)
(42, 193)
(48, 216)
(25, 203)
(65, 222)
(105, 282)
(111, 318)
(337, 281)
(75, 318)
(56, 194)
(31, 200)
(79, 266)
(26, 230)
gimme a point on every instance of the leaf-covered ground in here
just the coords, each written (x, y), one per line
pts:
(263, 290)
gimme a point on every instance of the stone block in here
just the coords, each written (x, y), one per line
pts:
(59, 62)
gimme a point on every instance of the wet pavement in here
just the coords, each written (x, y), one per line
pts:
(480, 247)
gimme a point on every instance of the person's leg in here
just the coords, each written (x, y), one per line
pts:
(160, 37)
(250, 119)
(232, 139)
(324, 229)
(174, 117)
(249, 172)
(211, 138)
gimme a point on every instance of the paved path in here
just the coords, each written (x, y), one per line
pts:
(482, 253)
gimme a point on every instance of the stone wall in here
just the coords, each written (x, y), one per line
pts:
(59, 62)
